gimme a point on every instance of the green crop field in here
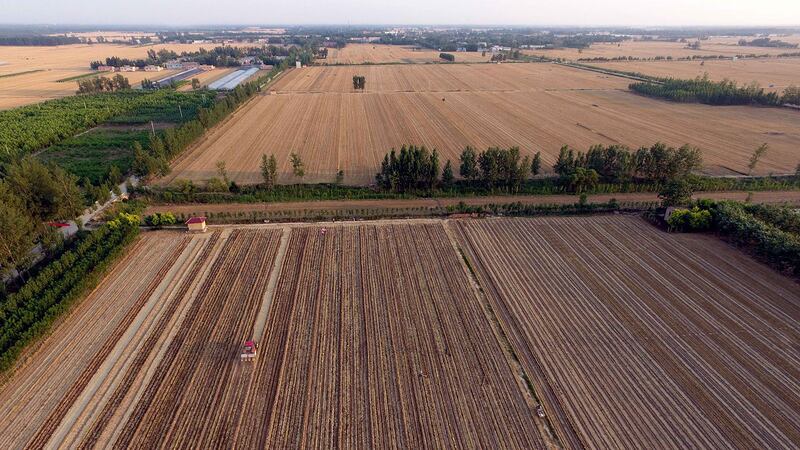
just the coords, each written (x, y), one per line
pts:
(92, 154)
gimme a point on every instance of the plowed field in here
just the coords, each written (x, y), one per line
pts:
(65, 61)
(370, 336)
(635, 338)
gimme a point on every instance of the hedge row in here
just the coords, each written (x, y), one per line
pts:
(30, 312)
(779, 248)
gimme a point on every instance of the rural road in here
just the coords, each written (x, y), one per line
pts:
(791, 197)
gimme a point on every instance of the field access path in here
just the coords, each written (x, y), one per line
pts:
(374, 207)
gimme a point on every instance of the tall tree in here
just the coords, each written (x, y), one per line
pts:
(298, 168)
(757, 154)
(469, 164)
(536, 165)
(222, 171)
(47, 192)
(447, 175)
(269, 170)
(17, 237)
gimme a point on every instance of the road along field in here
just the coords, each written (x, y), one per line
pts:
(381, 54)
(65, 61)
(634, 338)
(370, 335)
(773, 74)
(438, 206)
(538, 107)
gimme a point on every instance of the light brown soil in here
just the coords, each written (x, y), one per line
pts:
(65, 61)
(380, 53)
(538, 107)
(650, 49)
(773, 74)
(635, 338)
(373, 338)
(771, 197)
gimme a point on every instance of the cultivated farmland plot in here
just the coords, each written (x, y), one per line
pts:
(538, 107)
(715, 46)
(46, 65)
(381, 53)
(638, 339)
(370, 336)
(773, 74)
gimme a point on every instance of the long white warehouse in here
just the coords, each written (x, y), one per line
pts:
(233, 79)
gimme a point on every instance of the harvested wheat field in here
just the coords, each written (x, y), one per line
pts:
(538, 107)
(19, 90)
(773, 74)
(382, 53)
(652, 49)
(36, 70)
(634, 338)
(370, 335)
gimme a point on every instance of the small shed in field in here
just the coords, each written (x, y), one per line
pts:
(196, 224)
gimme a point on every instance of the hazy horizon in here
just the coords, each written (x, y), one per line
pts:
(621, 13)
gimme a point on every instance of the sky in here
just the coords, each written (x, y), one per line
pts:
(384, 12)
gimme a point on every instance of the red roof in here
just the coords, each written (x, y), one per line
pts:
(58, 224)
(195, 220)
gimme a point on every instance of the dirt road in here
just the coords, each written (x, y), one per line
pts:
(792, 197)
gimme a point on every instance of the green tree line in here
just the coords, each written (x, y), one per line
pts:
(703, 90)
(155, 158)
(29, 312)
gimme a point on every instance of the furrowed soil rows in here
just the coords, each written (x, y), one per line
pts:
(379, 354)
(639, 339)
(59, 362)
(373, 338)
(538, 107)
(185, 400)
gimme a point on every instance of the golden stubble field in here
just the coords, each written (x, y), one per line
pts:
(773, 74)
(714, 46)
(60, 62)
(382, 53)
(538, 107)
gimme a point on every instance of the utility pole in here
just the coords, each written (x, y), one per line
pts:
(180, 110)
(153, 128)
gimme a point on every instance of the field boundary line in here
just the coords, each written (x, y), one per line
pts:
(523, 380)
(269, 294)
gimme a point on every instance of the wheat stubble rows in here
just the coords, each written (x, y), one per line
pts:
(315, 113)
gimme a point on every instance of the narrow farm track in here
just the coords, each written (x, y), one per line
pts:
(638, 339)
